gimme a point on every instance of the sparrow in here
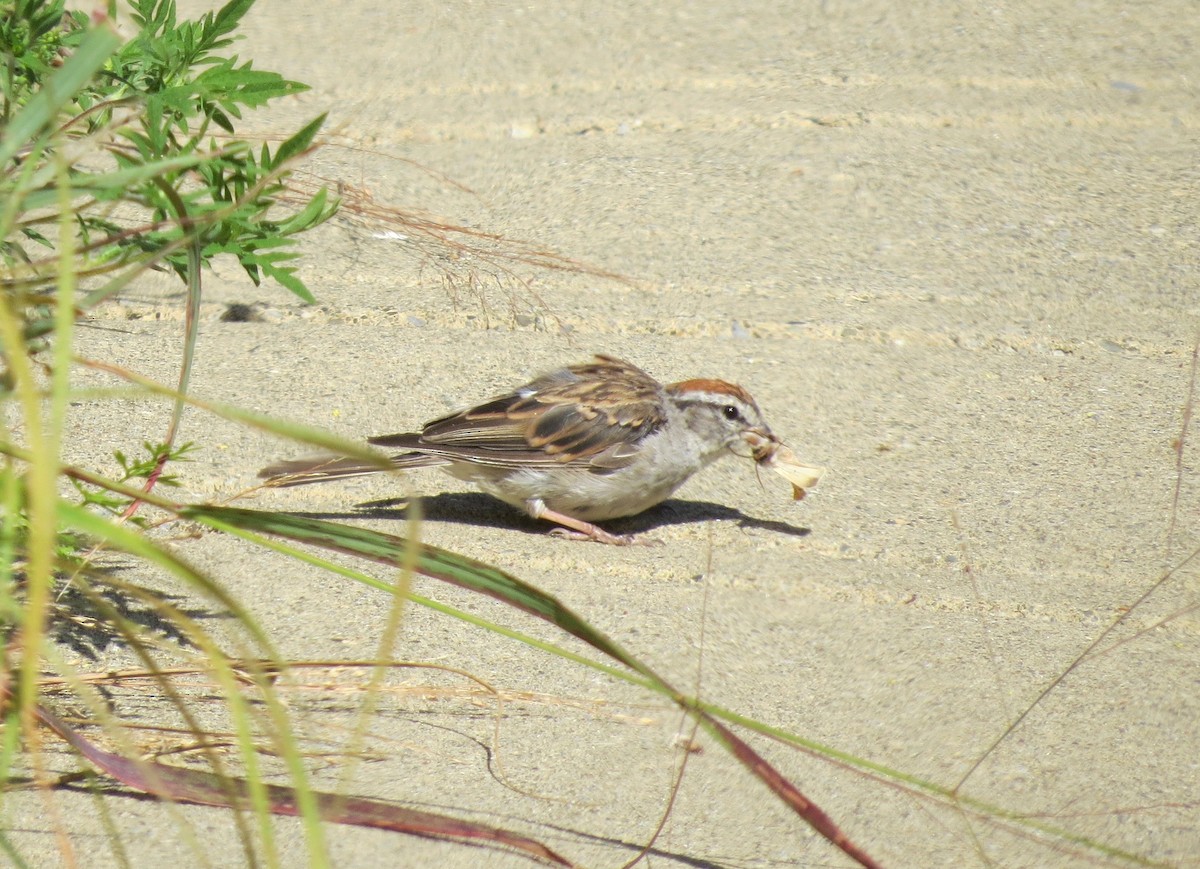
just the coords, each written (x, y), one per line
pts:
(580, 445)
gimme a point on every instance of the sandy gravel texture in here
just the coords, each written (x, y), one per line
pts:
(951, 249)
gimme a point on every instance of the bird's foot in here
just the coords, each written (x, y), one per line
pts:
(578, 529)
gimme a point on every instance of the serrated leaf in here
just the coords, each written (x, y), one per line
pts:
(222, 120)
(228, 16)
(249, 87)
(300, 142)
(315, 213)
(286, 277)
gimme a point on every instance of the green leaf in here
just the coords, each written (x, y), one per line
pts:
(229, 15)
(315, 213)
(286, 277)
(298, 143)
(432, 562)
(221, 120)
(244, 86)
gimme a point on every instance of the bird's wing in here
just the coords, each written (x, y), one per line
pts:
(590, 415)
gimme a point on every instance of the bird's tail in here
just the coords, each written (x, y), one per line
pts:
(300, 472)
(321, 469)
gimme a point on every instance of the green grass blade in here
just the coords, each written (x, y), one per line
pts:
(109, 185)
(306, 557)
(128, 539)
(430, 561)
(292, 431)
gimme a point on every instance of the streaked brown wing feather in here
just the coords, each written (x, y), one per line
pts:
(585, 414)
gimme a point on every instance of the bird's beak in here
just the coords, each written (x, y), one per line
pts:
(762, 443)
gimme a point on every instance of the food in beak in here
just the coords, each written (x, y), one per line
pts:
(770, 453)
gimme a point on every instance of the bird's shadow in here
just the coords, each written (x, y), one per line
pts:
(476, 508)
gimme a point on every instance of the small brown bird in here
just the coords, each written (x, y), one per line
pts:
(580, 444)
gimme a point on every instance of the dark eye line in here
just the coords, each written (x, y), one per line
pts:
(730, 411)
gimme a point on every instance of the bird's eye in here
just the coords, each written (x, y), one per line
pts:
(731, 413)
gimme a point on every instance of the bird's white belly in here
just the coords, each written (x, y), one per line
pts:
(581, 493)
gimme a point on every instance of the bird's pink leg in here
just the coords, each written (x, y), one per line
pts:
(575, 529)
